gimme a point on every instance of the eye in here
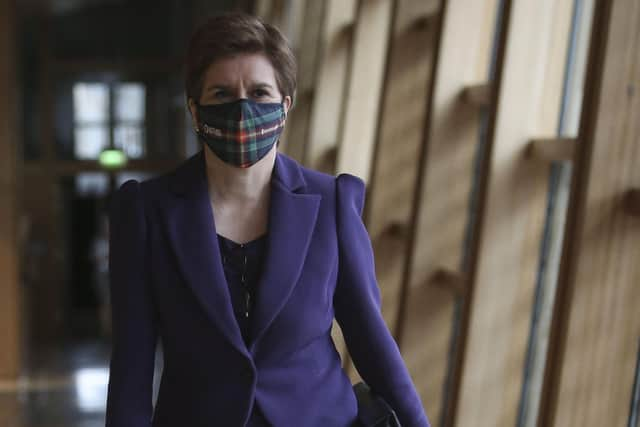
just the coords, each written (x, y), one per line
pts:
(260, 93)
(220, 93)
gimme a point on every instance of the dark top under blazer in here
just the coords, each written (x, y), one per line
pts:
(167, 281)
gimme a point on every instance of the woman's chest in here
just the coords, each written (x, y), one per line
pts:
(304, 279)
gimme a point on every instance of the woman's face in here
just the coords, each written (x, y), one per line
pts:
(249, 76)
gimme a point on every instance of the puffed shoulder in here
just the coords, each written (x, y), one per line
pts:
(129, 189)
(126, 202)
(129, 192)
(350, 192)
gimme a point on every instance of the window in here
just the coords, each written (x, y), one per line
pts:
(91, 119)
(109, 116)
(129, 119)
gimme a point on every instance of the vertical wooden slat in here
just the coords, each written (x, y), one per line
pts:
(395, 165)
(441, 214)
(327, 99)
(10, 301)
(296, 131)
(597, 321)
(554, 150)
(506, 248)
(406, 87)
(366, 76)
(361, 100)
(402, 111)
(402, 114)
(326, 109)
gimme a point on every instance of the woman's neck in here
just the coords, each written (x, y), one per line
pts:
(228, 183)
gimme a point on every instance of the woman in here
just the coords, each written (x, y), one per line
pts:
(240, 259)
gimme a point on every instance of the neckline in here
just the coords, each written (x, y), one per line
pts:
(233, 242)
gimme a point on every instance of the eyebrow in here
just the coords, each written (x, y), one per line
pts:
(260, 85)
(217, 86)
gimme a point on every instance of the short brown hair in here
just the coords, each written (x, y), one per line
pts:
(234, 33)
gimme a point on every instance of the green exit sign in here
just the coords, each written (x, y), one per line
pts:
(112, 159)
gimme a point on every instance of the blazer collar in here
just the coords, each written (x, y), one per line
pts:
(191, 231)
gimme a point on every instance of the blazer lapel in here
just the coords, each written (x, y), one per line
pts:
(192, 233)
(292, 219)
(191, 230)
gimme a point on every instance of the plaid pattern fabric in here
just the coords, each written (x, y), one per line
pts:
(241, 132)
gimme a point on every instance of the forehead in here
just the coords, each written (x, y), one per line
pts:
(246, 68)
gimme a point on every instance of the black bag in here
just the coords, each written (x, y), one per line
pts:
(373, 410)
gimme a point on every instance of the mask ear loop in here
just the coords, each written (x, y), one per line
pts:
(196, 126)
(284, 119)
(284, 110)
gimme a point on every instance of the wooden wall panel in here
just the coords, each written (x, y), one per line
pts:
(441, 211)
(364, 88)
(328, 99)
(505, 255)
(296, 132)
(598, 305)
(559, 190)
(394, 172)
(403, 109)
(10, 298)
(394, 169)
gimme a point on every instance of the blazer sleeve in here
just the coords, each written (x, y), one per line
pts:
(129, 398)
(357, 309)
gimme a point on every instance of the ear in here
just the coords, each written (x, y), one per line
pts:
(194, 112)
(286, 102)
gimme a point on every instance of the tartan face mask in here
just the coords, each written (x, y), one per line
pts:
(240, 132)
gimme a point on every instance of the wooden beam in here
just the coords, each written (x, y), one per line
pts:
(451, 280)
(397, 230)
(477, 95)
(409, 66)
(347, 30)
(552, 149)
(505, 244)
(297, 129)
(370, 36)
(455, 51)
(364, 88)
(330, 82)
(406, 86)
(408, 69)
(325, 109)
(10, 295)
(143, 66)
(422, 21)
(631, 201)
(72, 167)
(596, 323)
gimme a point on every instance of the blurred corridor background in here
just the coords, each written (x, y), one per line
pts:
(500, 144)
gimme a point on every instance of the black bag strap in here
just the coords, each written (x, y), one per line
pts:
(373, 410)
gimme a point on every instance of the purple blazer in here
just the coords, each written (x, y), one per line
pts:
(167, 281)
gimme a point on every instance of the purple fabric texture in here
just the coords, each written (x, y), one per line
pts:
(168, 282)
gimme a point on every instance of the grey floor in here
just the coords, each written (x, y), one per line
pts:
(63, 387)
